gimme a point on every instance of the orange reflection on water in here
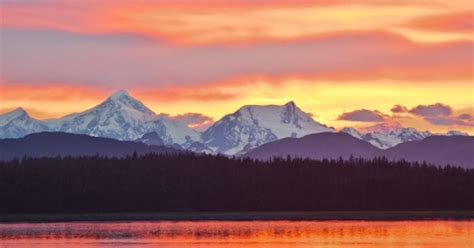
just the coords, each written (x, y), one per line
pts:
(238, 233)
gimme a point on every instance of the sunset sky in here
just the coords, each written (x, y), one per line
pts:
(347, 62)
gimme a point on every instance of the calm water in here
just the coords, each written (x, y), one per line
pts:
(237, 234)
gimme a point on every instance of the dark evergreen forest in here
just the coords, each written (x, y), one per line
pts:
(190, 182)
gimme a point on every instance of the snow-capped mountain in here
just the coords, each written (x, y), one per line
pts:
(18, 123)
(395, 137)
(252, 126)
(122, 117)
(386, 138)
(385, 128)
(119, 117)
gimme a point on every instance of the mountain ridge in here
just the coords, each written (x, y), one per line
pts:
(438, 150)
(122, 117)
(52, 144)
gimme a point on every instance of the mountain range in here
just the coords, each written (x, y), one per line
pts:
(387, 138)
(122, 117)
(119, 117)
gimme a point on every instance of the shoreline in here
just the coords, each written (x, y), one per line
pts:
(240, 216)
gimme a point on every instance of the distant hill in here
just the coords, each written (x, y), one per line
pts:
(316, 146)
(439, 150)
(65, 144)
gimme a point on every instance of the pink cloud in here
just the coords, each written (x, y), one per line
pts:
(465, 117)
(433, 110)
(363, 115)
(121, 61)
(398, 109)
(438, 114)
(449, 121)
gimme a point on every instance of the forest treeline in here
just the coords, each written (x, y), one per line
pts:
(191, 182)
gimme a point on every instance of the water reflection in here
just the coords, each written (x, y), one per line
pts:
(239, 233)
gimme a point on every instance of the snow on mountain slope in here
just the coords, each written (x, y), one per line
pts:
(252, 126)
(352, 132)
(18, 123)
(173, 131)
(122, 117)
(456, 133)
(389, 138)
(384, 128)
(199, 147)
(393, 138)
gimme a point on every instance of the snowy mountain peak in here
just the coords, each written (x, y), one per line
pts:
(18, 123)
(254, 125)
(121, 99)
(123, 117)
(409, 131)
(14, 114)
(119, 93)
(19, 111)
(386, 138)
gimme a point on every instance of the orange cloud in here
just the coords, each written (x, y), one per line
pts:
(197, 121)
(326, 99)
(48, 101)
(199, 92)
(452, 22)
(37, 113)
(214, 22)
(344, 56)
(49, 93)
